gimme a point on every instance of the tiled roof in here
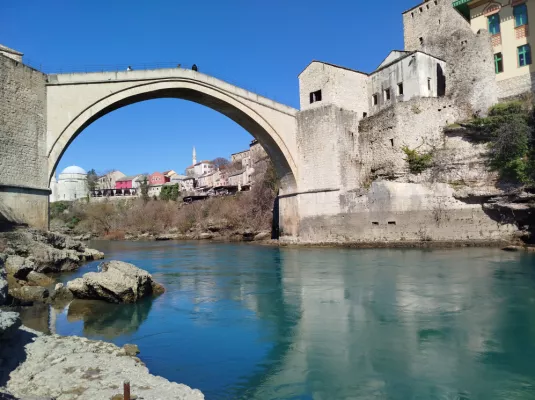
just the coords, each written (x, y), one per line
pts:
(179, 177)
(127, 178)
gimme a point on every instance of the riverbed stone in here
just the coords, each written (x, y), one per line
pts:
(262, 236)
(39, 279)
(206, 236)
(19, 266)
(118, 282)
(92, 254)
(131, 350)
(30, 293)
(61, 295)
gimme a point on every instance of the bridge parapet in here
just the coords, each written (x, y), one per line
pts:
(77, 78)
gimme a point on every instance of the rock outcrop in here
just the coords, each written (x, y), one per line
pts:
(119, 282)
(33, 250)
(89, 370)
(29, 294)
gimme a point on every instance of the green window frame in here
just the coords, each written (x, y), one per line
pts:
(494, 23)
(521, 15)
(524, 55)
(498, 63)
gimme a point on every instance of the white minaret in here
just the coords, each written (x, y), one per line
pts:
(194, 157)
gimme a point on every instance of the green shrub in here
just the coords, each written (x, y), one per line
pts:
(508, 108)
(418, 162)
(71, 224)
(509, 132)
(58, 208)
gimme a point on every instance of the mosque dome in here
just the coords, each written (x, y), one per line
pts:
(73, 169)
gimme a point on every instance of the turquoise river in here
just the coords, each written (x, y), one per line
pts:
(241, 321)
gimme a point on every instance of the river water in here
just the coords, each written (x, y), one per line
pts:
(240, 321)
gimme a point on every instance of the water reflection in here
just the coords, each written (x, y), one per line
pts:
(108, 320)
(249, 322)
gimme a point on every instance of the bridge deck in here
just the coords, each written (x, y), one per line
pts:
(162, 75)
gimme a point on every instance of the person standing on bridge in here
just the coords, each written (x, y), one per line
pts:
(129, 68)
(194, 67)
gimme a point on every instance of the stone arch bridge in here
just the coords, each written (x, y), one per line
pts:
(56, 108)
(74, 101)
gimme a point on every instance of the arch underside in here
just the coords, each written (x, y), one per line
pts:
(227, 105)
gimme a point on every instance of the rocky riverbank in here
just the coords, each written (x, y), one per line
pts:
(37, 366)
(45, 367)
(28, 255)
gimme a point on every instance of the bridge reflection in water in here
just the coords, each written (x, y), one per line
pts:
(253, 322)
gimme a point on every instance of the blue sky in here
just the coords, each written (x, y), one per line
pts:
(259, 45)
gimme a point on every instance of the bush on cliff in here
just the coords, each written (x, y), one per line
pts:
(418, 162)
(509, 131)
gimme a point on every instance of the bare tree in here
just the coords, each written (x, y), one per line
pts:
(106, 180)
(220, 162)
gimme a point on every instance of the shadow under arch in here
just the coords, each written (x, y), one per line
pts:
(196, 92)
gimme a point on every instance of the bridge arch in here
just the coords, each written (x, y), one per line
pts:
(74, 101)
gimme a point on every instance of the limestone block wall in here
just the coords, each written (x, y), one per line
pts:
(436, 28)
(23, 124)
(326, 147)
(23, 161)
(515, 86)
(339, 86)
(417, 124)
(398, 212)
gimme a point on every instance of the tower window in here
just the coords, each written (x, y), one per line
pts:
(428, 83)
(386, 94)
(421, 41)
(364, 114)
(498, 63)
(315, 96)
(524, 55)
(375, 99)
(400, 89)
(521, 15)
(494, 23)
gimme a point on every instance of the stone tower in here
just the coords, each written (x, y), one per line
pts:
(194, 158)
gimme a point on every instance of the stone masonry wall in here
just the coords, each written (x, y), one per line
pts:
(436, 28)
(326, 148)
(23, 162)
(339, 86)
(416, 124)
(516, 86)
(22, 125)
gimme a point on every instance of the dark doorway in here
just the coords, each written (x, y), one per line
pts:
(441, 81)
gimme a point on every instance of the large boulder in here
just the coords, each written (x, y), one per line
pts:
(29, 294)
(48, 251)
(39, 279)
(118, 282)
(19, 266)
(262, 236)
(61, 295)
